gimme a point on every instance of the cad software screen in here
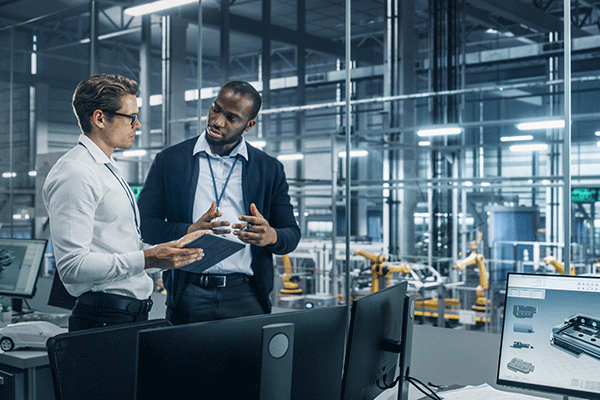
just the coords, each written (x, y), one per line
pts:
(551, 334)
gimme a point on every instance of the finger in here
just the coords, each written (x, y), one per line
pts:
(252, 220)
(254, 211)
(213, 207)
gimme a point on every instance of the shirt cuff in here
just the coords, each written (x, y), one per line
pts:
(137, 261)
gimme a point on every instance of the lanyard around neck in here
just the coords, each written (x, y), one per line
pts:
(217, 196)
(128, 192)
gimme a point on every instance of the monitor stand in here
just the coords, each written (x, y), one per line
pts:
(17, 306)
(276, 366)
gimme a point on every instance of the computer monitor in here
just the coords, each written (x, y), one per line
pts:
(224, 357)
(20, 264)
(551, 334)
(380, 335)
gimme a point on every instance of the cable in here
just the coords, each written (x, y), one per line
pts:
(426, 390)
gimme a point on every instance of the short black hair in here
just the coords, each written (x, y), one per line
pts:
(100, 92)
(246, 89)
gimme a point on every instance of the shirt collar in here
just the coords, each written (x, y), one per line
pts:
(96, 153)
(202, 145)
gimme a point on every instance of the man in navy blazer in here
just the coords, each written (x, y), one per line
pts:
(206, 182)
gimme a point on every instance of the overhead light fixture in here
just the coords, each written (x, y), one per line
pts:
(597, 133)
(485, 184)
(555, 123)
(258, 143)
(134, 153)
(354, 153)
(290, 157)
(467, 183)
(156, 6)
(32, 173)
(440, 131)
(598, 144)
(9, 174)
(425, 143)
(528, 147)
(516, 138)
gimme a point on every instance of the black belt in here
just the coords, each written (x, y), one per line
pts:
(115, 301)
(217, 281)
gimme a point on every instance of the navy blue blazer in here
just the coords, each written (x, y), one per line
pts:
(166, 206)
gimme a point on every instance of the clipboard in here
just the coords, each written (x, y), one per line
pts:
(216, 249)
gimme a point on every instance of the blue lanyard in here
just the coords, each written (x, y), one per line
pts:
(129, 194)
(217, 196)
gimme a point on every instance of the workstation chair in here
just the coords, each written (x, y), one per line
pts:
(97, 363)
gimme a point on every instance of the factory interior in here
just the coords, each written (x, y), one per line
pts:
(442, 143)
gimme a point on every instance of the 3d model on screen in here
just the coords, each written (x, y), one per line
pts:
(518, 365)
(524, 311)
(521, 345)
(579, 334)
(6, 258)
(523, 328)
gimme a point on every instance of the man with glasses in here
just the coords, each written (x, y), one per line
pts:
(94, 220)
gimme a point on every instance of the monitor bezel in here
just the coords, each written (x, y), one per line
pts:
(535, 386)
(30, 293)
(401, 288)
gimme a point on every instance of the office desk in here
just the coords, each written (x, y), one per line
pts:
(447, 357)
(26, 375)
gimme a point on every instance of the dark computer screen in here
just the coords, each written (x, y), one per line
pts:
(551, 334)
(375, 341)
(20, 264)
(224, 356)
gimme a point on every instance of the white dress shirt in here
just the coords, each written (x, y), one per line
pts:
(93, 225)
(232, 202)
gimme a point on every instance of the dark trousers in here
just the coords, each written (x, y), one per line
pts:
(204, 303)
(112, 310)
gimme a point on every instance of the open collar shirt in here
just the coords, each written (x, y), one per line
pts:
(94, 225)
(232, 202)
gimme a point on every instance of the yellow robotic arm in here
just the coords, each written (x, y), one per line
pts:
(478, 259)
(378, 269)
(290, 281)
(560, 267)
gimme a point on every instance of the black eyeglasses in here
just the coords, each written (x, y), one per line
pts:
(134, 118)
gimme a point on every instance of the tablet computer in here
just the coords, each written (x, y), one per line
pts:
(216, 248)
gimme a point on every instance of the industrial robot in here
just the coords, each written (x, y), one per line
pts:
(290, 280)
(380, 271)
(479, 260)
(560, 267)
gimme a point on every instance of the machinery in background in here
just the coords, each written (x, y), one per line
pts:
(290, 280)
(381, 273)
(560, 267)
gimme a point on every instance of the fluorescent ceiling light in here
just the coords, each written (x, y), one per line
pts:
(485, 184)
(354, 153)
(439, 131)
(156, 6)
(598, 144)
(134, 153)
(258, 143)
(290, 157)
(516, 138)
(528, 147)
(597, 133)
(467, 183)
(9, 174)
(425, 143)
(32, 173)
(556, 123)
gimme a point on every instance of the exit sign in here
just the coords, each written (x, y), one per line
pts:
(584, 195)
